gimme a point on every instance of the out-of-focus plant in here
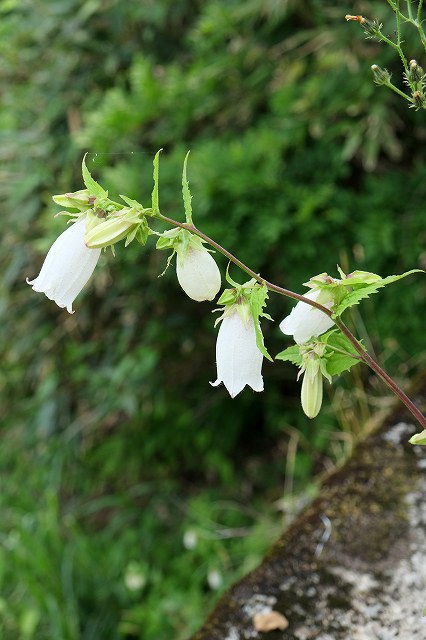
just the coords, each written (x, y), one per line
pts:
(413, 75)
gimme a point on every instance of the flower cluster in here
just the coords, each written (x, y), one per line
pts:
(97, 222)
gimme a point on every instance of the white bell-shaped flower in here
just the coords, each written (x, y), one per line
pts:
(198, 273)
(305, 321)
(67, 266)
(238, 359)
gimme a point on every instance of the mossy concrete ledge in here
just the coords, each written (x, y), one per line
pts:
(352, 566)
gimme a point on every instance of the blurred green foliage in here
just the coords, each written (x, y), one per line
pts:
(113, 444)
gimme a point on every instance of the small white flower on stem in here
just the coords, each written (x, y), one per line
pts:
(198, 273)
(305, 321)
(238, 359)
(67, 266)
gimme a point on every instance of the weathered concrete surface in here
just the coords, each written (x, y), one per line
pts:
(353, 564)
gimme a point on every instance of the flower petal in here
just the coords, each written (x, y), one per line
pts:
(239, 361)
(305, 321)
(198, 274)
(67, 266)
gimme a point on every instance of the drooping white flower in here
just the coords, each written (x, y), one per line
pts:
(305, 321)
(67, 267)
(238, 359)
(198, 273)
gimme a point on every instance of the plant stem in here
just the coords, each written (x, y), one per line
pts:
(398, 91)
(364, 356)
(421, 419)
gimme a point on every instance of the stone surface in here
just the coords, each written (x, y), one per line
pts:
(352, 566)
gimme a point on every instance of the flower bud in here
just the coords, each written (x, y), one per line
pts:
(81, 200)
(416, 73)
(380, 76)
(112, 230)
(418, 100)
(311, 394)
(198, 273)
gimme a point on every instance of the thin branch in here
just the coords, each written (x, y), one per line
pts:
(285, 292)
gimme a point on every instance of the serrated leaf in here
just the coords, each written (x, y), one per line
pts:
(341, 354)
(259, 342)
(94, 188)
(187, 197)
(291, 354)
(362, 292)
(337, 363)
(258, 297)
(156, 163)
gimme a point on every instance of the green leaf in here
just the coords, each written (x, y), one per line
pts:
(258, 297)
(419, 438)
(257, 301)
(291, 354)
(187, 197)
(156, 163)
(365, 291)
(341, 354)
(259, 341)
(94, 188)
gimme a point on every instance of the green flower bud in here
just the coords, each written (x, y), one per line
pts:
(416, 73)
(380, 76)
(311, 395)
(81, 200)
(108, 232)
(419, 101)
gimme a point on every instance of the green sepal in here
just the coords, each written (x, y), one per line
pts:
(143, 232)
(187, 197)
(139, 233)
(362, 290)
(132, 203)
(291, 354)
(175, 239)
(360, 277)
(94, 188)
(419, 438)
(229, 296)
(156, 163)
